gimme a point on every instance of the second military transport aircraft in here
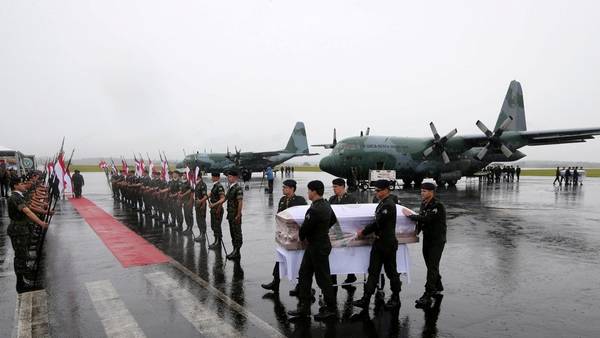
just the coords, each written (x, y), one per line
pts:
(250, 161)
(445, 159)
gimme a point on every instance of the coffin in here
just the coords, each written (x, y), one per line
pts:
(351, 218)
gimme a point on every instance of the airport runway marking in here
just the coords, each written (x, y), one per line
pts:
(32, 314)
(270, 330)
(205, 320)
(116, 319)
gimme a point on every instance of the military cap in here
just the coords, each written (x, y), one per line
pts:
(428, 186)
(233, 173)
(382, 184)
(316, 186)
(290, 183)
(215, 174)
(339, 181)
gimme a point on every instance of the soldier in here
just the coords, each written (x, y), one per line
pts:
(342, 197)
(78, 183)
(315, 231)
(384, 248)
(164, 204)
(288, 200)
(186, 195)
(518, 172)
(567, 176)
(432, 221)
(174, 197)
(4, 180)
(557, 178)
(575, 176)
(19, 231)
(215, 203)
(235, 203)
(201, 196)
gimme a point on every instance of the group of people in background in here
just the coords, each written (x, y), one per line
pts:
(568, 176)
(501, 173)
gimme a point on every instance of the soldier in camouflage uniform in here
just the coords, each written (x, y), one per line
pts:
(164, 206)
(201, 196)
(216, 198)
(174, 197)
(187, 201)
(235, 203)
(19, 231)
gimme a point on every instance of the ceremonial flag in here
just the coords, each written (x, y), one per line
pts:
(196, 172)
(150, 167)
(67, 180)
(142, 167)
(103, 165)
(165, 171)
(59, 170)
(125, 169)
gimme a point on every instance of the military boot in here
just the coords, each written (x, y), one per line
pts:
(216, 244)
(363, 302)
(273, 286)
(235, 254)
(393, 302)
(326, 313)
(200, 237)
(424, 301)
(303, 310)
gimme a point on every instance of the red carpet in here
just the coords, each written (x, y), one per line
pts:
(127, 246)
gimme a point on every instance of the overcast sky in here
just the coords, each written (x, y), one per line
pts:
(118, 76)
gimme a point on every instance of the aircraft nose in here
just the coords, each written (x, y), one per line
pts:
(327, 164)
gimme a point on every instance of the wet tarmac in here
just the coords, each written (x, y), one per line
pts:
(522, 260)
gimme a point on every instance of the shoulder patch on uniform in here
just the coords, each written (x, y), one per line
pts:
(434, 211)
(384, 211)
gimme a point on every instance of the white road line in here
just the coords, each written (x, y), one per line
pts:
(199, 315)
(116, 319)
(269, 330)
(32, 314)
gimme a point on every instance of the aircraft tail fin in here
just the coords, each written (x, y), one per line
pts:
(297, 144)
(513, 106)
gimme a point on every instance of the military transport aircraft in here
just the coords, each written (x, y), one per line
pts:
(252, 161)
(445, 159)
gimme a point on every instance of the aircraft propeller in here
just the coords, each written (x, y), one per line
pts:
(494, 138)
(439, 143)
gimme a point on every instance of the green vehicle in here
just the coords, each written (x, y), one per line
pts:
(297, 145)
(445, 159)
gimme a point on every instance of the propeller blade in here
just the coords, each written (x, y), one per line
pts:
(506, 122)
(507, 152)
(451, 134)
(445, 157)
(428, 151)
(483, 128)
(483, 152)
(434, 131)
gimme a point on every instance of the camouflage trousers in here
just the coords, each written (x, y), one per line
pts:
(24, 264)
(235, 228)
(201, 217)
(188, 214)
(216, 218)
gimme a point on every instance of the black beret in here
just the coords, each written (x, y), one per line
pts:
(233, 173)
(382, 184)
(215, 174)
(290, 183)
(317, 186)
(339, 181)
(15, 181)
(428, 186)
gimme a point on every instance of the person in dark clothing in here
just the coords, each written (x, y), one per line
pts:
(78, 183)
(557, 178)
(216, 198)
(21, 217)
(518, 172)
(315, 232)
(288, 200)
(568, 176)
(383, 250)
(4, 180)
(342, 197)
(575, 176)
(432, 221)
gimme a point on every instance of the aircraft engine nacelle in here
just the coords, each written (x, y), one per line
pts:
(451, 176)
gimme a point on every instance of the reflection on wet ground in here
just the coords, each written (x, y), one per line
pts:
(521, 260)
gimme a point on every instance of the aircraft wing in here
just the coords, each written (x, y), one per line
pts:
(537, 138)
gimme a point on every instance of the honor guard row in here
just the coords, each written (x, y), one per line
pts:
(176, 201)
